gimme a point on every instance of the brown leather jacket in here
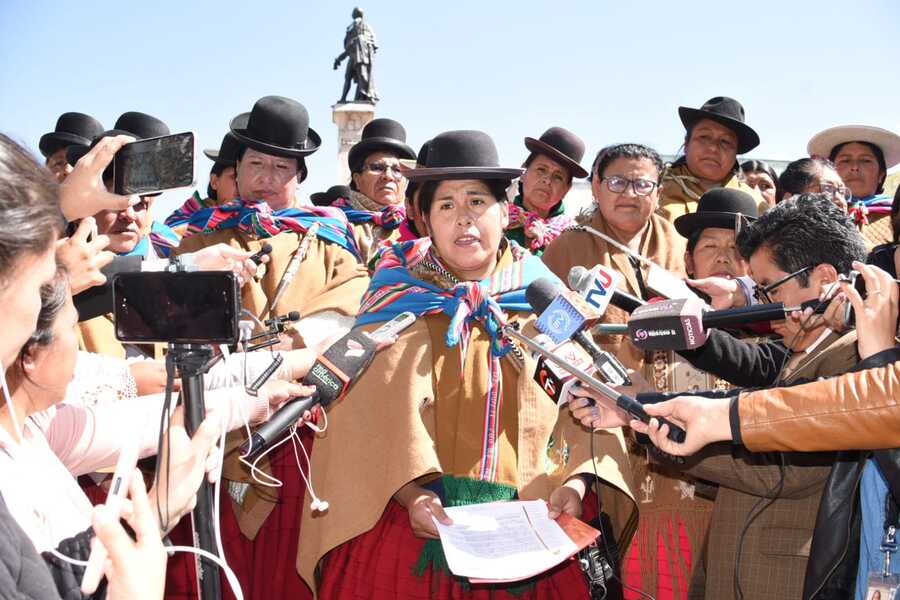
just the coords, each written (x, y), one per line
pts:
(856, 411)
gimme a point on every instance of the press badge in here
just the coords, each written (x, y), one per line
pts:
(882, 588)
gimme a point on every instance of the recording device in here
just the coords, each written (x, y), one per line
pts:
(257, 257)
(200, 307)
(595, 289)
(154, 165)
(332, 375)
(274, 327)
(626, 403)
(684, 324)
(564, 315)
(554, 380)
(118, 491)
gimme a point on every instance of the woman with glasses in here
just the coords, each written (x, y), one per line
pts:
(715, 135)
(813, 176)
(673, 515)
(375, 207)
(862, 155)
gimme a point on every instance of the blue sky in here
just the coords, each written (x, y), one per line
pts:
(610, 71)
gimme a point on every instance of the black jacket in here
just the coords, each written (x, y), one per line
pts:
(740, 363)
(23, 573)
(98, 300)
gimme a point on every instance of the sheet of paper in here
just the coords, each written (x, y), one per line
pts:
(666, 284)
(503, 541)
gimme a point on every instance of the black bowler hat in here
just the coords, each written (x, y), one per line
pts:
(462, 155)
(561, 145)
(422, 156)
(227, 153)
(72, 128)
(726, 208)
(380, 134)
(136, 124)
(329, 197)
(277, 126)
(725, 111)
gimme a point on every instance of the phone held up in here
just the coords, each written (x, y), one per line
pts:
(154, 165)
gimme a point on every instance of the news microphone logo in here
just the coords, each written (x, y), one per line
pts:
(560, 320)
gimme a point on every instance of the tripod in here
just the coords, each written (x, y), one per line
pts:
(192, 362)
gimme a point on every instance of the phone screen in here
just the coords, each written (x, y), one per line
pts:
(180, 308)
(155, 164)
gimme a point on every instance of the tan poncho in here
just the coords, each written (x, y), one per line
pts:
(391, 430)
(680, 190)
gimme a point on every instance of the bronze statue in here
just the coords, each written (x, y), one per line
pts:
(359, 49)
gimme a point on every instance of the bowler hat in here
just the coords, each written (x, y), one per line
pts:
(561, 145)
(329, 197)
(380, 134)
(227, 153)
(72, 128)
(888, 142)
(725, 208)
(135, 124)
(462, 155)
(277, 126)
(725, 111)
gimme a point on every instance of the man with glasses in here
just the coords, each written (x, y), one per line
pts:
(375, 207)
(537, 215)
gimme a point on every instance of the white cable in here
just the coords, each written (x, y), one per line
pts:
(68, 559)
(229, 574)
(10, 406)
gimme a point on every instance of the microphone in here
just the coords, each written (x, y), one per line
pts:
(277, 323)
(332, 374)
(554, 380)
(684, 324)
(265, 249)
(599, 288)
(626, 403)
(564, 315)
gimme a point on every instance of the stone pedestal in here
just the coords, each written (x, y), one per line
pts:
(350, 119)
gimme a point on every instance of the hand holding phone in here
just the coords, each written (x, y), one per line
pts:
(154, 165)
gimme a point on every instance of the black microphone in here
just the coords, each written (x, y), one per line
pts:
(332, 375)
(684, 324)
(541, 294)
(265, 249)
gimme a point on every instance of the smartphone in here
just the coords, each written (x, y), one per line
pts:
(154, 165)
(200, 307)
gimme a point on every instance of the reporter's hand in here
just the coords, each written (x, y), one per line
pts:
(135, 569)
(876, 316)
(150, 377)
(567, 499)
(222, 257)
(594, 410)
(278, 392)
(186, 460)
(705, 420)
(83, 259)
(724, 293)
(83, 194)
(422, 505)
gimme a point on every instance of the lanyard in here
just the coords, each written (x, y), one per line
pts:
(889, 541)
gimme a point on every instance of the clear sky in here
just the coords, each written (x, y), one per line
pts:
(610, 71)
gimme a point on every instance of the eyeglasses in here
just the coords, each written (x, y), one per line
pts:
(836, 191)
(762, 292)
(618, 185)
(379, 168)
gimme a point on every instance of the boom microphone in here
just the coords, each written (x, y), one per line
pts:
(332, 375)
(683, 324)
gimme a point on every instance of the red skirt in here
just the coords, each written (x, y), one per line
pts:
(266, 565)
(379, 565)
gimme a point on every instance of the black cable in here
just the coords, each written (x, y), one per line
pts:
(167, 403)
(603, 533)
(769, 498)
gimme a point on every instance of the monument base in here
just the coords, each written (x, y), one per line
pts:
(350, 118)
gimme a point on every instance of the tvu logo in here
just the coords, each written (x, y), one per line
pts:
(602, 285)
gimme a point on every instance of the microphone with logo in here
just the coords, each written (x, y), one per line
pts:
(684, 324)
(564, 315)
(332, 374)
(599, 287)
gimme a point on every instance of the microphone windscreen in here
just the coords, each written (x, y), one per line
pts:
(266, 248)
(540, 293)
(578, 277)
(293, 316)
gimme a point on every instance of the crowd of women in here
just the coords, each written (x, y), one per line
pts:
(449, 414)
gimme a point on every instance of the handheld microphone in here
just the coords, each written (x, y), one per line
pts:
(554, 380)
(600, 285)
(626, 403)
(564, 315)
(332, 374)
(684, 324)
(257, 257)
(278, 323)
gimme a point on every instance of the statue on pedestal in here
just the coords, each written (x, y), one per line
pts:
(359, 49)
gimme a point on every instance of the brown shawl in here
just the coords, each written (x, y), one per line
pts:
(680, 190)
